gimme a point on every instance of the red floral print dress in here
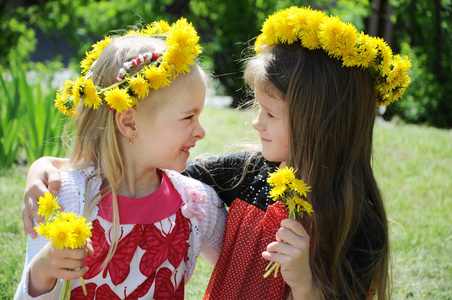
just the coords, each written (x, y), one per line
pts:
(150, 258)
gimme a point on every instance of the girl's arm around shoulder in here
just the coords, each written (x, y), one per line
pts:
(212, 225)
(206, 212)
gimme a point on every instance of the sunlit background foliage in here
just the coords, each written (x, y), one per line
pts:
(43, 41)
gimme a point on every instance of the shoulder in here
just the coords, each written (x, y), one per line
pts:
(76, 184)
(181, 182)
(231, 159)
(233, 163)
(77, 178)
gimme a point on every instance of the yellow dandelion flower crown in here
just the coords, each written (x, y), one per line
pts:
(314, 30)
(181, 41)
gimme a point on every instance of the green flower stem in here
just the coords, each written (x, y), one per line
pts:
(66, 292)
(85, 292)
(275, 268)
(113, 85)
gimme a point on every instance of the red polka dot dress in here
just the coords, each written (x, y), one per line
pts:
(252, 222)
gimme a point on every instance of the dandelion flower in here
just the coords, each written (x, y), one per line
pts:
(302, 205)
(290, 190)
(139, 86)
(286, 29)
(68, 217)
(67, 87)
(181, 58)
(384, 55)
(60, 233)
(338, 38)
(309, 34)
(118, 99)
(59, 103)
(78, 91)
(92, 99)
(159, 27)
(182, 34)
(278, 192)
(41, 229)
(157, 77)
(81, 231)
(268, 30)
(48, 205)
(281, 177)
(299, 186)
(94, 54)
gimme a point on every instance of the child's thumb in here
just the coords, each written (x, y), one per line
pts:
(54, 182)
(89, 246)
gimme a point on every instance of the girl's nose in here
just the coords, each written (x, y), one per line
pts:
(257, 124)
(199, 132)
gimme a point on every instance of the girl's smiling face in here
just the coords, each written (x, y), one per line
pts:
(166, 135)
(272, 122)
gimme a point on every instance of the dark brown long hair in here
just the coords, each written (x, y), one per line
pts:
(332, 112)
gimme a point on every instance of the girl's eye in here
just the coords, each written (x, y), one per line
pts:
(270, 115)
(189, 117)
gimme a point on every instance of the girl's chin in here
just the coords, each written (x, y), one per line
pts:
(271, 158)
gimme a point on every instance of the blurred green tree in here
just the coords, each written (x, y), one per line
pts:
(419, 28)
(226, 26)
(229, 27)
(423, 30)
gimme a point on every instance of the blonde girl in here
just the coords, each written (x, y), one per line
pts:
(137, 117)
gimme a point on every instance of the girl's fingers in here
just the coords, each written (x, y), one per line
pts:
(294, 226)
(89, 246)
(276, 257)
(279, 252)
(76, 254)
(69, 264)
(293, 233)
(278, 247)
(28, 222)
(54, 181)
(30, 206)
(71, 274)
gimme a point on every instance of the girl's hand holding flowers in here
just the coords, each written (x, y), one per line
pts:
(291, 249)
(292, 245)
(52, 263)
(291, 252)
(64, 256)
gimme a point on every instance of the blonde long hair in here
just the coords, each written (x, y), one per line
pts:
(331, 118)
(96, 138)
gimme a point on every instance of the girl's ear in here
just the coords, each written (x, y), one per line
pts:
(126, 123)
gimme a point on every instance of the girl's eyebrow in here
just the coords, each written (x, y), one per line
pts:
(267, 108)
(191, 111)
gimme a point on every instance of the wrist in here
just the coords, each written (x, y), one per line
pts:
(39, 284)
(305, 292)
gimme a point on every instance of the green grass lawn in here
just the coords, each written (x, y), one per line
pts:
(413, 166)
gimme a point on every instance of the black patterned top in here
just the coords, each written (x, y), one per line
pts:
(224, 173)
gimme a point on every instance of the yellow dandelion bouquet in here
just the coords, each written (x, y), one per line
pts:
(64, 229)
(292, 192)
(314, 30)
(181, 41)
